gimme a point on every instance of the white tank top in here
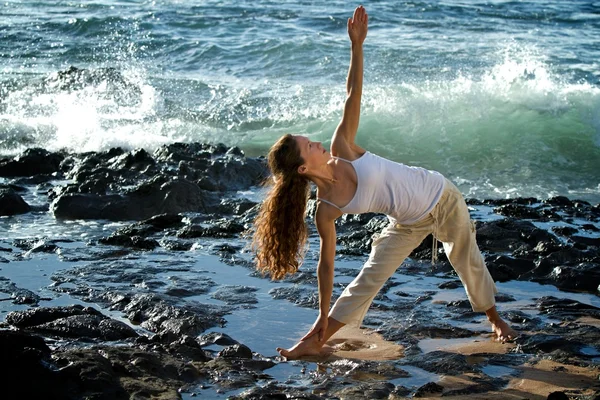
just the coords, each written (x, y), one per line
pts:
(405, 194)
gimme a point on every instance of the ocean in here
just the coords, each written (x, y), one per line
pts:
(503, 97)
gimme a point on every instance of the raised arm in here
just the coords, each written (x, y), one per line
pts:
(346, 130)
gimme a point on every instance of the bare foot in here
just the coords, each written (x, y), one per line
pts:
(308, 347)
(504, 333)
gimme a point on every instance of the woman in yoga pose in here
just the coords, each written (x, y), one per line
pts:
(351, 180)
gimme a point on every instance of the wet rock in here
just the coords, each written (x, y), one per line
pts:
(236, 173)
(17, 294)
(437, 330)
(357, 232)
(173, 153)
(225, 250)
(230, 373)
(135, 242)
(170, 322)
(520, 319)
(359, 370)
(450, 284)
(34, 161)
(35, 245)
(74, 321)
(183, 287)
(188, 348)
(566, 231)
(137, 160)
(441, 362)
(557, 396)
(585, 240)
(559, 201)
(41, 315)
(87, 326)
(150, 226)
(582, 277)
(121, 373)
(225, 228)
(237, 350)
(566, 308)
(542, 344)
(482, 385)
(11, 203)
(163, 221)
(519, 211)
(507, 234)
(175, 245)
(427, 389)
(218, 338)
(273, 391)
(297, 296)
(236, 295)
(234, 206)
(372, 390)
(154, 197)
(25, 355)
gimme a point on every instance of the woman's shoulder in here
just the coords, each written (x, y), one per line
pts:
(347, 151)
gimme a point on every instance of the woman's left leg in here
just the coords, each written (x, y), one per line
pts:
(456, 230)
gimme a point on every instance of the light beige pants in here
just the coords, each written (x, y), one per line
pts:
(451, 224)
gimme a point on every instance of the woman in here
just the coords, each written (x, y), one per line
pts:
(352, 180)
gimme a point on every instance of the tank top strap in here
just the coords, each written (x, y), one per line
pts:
(328, 202)
(343, 159)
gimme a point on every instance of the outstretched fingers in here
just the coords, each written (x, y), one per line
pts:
(359, 14)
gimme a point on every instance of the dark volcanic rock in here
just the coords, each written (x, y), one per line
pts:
(542, 343)
(11, 203)
(427, 389)
(136, 242)
(297, 296)
(33, 161)
(219, 338)
(236, 294)
(508, 234)
(237, 350)
(582, 277)
(372, 390)
(170, 322)
(41, 315)
(441, 362)
(26, 356)
(86, 326)
(566, 308)
(74, 321)
(122, 373)
(17, 294)
(219, 229)
(148, 199)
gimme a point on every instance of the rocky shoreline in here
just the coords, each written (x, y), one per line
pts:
(167, 200)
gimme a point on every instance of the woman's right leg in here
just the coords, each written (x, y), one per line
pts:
(388, 251)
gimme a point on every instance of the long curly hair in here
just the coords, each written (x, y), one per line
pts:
(280, 230)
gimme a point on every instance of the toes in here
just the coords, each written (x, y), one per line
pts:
(283, 352)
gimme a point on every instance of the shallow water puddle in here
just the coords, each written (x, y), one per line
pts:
(498, 371)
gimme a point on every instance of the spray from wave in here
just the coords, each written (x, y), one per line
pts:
(514, 129)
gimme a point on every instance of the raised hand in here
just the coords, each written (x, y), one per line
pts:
(358, 25)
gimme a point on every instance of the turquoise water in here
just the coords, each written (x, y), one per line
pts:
(501, 96)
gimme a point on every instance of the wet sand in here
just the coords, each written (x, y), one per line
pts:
(532, 380)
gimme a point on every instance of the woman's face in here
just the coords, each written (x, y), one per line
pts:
(313, 153)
